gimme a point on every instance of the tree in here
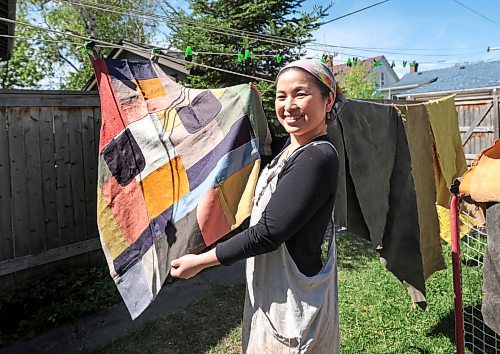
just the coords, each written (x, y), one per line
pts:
(358, 82)
(205, 29)
(45, 53)
(23, 70)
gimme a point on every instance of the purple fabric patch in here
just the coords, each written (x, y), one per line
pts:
(124, 158)
(142, 70)
(133, 254)
(200, 112)
(241, 132)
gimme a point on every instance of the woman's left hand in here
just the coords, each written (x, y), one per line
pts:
(186, 267)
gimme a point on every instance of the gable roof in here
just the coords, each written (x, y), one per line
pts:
(458, 77)
(344, 69)
(132, 50)
(7, 10)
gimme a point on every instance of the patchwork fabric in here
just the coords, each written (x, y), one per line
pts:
(177, 170)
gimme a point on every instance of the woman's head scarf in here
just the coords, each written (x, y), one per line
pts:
(324, 74)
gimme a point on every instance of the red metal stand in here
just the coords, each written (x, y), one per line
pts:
(457, 275)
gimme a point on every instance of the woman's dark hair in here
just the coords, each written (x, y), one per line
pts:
(325, 90)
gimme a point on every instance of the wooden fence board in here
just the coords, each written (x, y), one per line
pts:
(49, 181)
(63, 191)
(25, 262)
(76, 152)
(90, 175)
(36, 229)
(19, 192)
(6, 242)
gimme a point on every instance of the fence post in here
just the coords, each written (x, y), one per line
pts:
(496, 116)
(457, 275)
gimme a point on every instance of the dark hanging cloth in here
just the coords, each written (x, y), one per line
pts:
(491, 270)
(380, 194)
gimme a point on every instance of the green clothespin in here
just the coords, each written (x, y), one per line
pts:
(323, 58)
(349, 62)
(393, 64)
(355, 61)
(88, 45)
(240, 57)
(248, 54)
(412, 64)
(404, 63)
(188, 54)
(278, 58)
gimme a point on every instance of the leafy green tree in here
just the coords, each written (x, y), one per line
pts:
(46, 54)
(22, 70)
(204, 28)
(359, 82)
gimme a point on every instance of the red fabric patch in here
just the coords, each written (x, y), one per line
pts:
(210, 215)
(114, 119)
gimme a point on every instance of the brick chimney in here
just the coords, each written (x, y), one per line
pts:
(414, 67)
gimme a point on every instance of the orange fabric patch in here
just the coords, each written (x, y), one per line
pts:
(210, 215)
(151, 88)
(132, 220)
(165, 186)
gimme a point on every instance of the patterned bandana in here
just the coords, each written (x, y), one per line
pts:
(323, 73)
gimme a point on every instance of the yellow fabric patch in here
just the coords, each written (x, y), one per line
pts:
(165, 186)
(168, 118)
(218, 92)
(241, 183)
(467, 222)
(115, 240)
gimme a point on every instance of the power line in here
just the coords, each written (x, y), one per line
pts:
(354, 12)
(255, 36)
(111, 45)
(477, 13)
(194, 24)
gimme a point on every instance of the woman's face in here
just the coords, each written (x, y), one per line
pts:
(300, 106)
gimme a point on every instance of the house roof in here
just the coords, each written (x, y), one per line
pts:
(458, 77)
(343, 68)
(142, 51)
(340, 68)
(7, 10)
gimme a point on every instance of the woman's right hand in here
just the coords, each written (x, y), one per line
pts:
(186, 267)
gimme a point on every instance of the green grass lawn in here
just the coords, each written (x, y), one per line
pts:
(375, 312)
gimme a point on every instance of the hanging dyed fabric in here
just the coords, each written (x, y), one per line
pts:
(420, 143)
(177, 170)
(380, 193)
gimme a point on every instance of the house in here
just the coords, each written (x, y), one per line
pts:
(136, 51)
(378, 66)
(466, 80)
(7, 10)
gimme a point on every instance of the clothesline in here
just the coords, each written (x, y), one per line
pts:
(233, 32)
(100, 43)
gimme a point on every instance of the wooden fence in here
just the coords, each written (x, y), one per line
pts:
(479, 121)
(48, 178)
(48, 175)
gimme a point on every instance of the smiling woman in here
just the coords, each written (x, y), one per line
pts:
(291, 298)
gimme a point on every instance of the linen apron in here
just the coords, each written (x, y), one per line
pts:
(286, 311)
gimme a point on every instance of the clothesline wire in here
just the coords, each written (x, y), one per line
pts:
(148, 15)
(111, 45)
(194, 24)
(262, 37)
(103, 44)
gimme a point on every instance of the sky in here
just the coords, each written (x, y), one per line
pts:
(434, 33)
